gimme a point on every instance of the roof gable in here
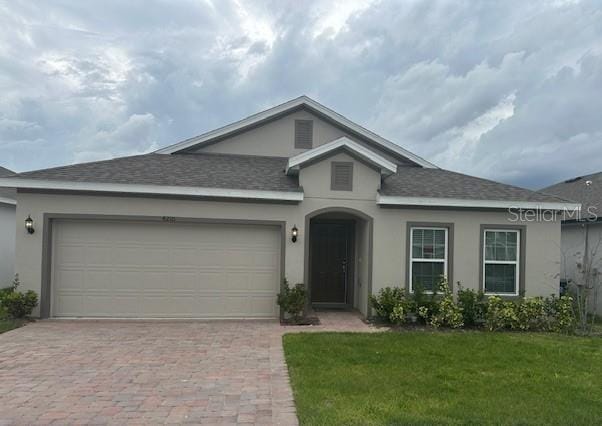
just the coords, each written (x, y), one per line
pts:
(274, 113)
(385, 166)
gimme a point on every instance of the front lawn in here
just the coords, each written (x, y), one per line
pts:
(445, 378)
(9, 324)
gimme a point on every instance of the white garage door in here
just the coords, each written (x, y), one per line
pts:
(156, 269)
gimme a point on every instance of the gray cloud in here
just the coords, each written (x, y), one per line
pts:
(506, 90)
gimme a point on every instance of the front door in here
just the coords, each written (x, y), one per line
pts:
(330, 248)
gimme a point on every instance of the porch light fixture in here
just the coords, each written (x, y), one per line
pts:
(294, 233)
(29, 225)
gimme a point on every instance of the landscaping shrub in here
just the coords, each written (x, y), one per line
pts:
(473, 306)
(423, 304)
(399, 314)
(531, 314)
(15, 304)
(292, 299)
(560, 313)
(448, 313)
(10, 289)
(500, 314)
(384, 303)
(20, 305)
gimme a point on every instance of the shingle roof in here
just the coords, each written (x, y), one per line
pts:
(586, 190)
(228, 171)
(205, 170)
(439, 183)
(5, 172)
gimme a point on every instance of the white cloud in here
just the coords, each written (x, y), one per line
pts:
(507, 90)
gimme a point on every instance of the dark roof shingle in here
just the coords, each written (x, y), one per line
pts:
(230, 171)
(196, 170)
(439, 183)
(586, 190)
(6, 173)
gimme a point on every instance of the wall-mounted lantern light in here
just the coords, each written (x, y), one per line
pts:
(294, 233)
(29, 225)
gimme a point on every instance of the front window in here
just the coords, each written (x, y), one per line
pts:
(501, 261)
(428, 261)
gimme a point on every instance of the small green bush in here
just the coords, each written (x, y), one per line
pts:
(20, 305)
(560, 313)
(500, 314)
(10, 289)
(531, 314)
(385, 302)
(423, 304)
(448, 313)
(473, 306)
(292, 299)
(398, 316)
(15, 304)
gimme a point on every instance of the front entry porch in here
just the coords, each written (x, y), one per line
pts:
(338, 260)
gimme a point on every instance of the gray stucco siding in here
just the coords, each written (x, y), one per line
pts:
(542, 268)
(7, 244)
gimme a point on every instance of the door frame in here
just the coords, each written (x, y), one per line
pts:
(47, 242)
(350, 224)
(357, 214)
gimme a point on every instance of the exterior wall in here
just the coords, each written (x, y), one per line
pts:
(7, 244)
(573, 249)
(389, 233)
(316, 183)
(362, 254)
(277, 138)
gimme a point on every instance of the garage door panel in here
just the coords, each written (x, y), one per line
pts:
(98, 255)
(262, 281)
(157, 280)
(71, 254)
(137, 269)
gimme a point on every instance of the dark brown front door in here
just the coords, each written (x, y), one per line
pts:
(330, 250)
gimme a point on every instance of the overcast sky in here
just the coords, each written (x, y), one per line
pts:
(506, 90)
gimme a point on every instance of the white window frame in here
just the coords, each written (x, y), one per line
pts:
(411, 254)
(502, 262)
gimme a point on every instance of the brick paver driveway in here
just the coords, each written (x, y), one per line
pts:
(120, 372)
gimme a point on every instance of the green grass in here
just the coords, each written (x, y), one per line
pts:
(9, 324)
(422, 378)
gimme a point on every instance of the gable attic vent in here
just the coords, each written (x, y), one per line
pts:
(341, 178)
(304, 134)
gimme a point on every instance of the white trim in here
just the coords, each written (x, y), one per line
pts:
(412, 259)
(386, 166)
(502, 262)
(4, 200)
(283, 108)
(151, 189)
(459, 202)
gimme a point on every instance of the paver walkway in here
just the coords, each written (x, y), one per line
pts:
(150, 372)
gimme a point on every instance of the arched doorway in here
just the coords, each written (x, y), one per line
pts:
(338, 259)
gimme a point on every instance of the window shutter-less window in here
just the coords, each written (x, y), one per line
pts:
(304, 133)
(341, 176)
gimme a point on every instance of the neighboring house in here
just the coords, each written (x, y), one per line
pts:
(210, 226)
(7, 231)
(581, 234)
